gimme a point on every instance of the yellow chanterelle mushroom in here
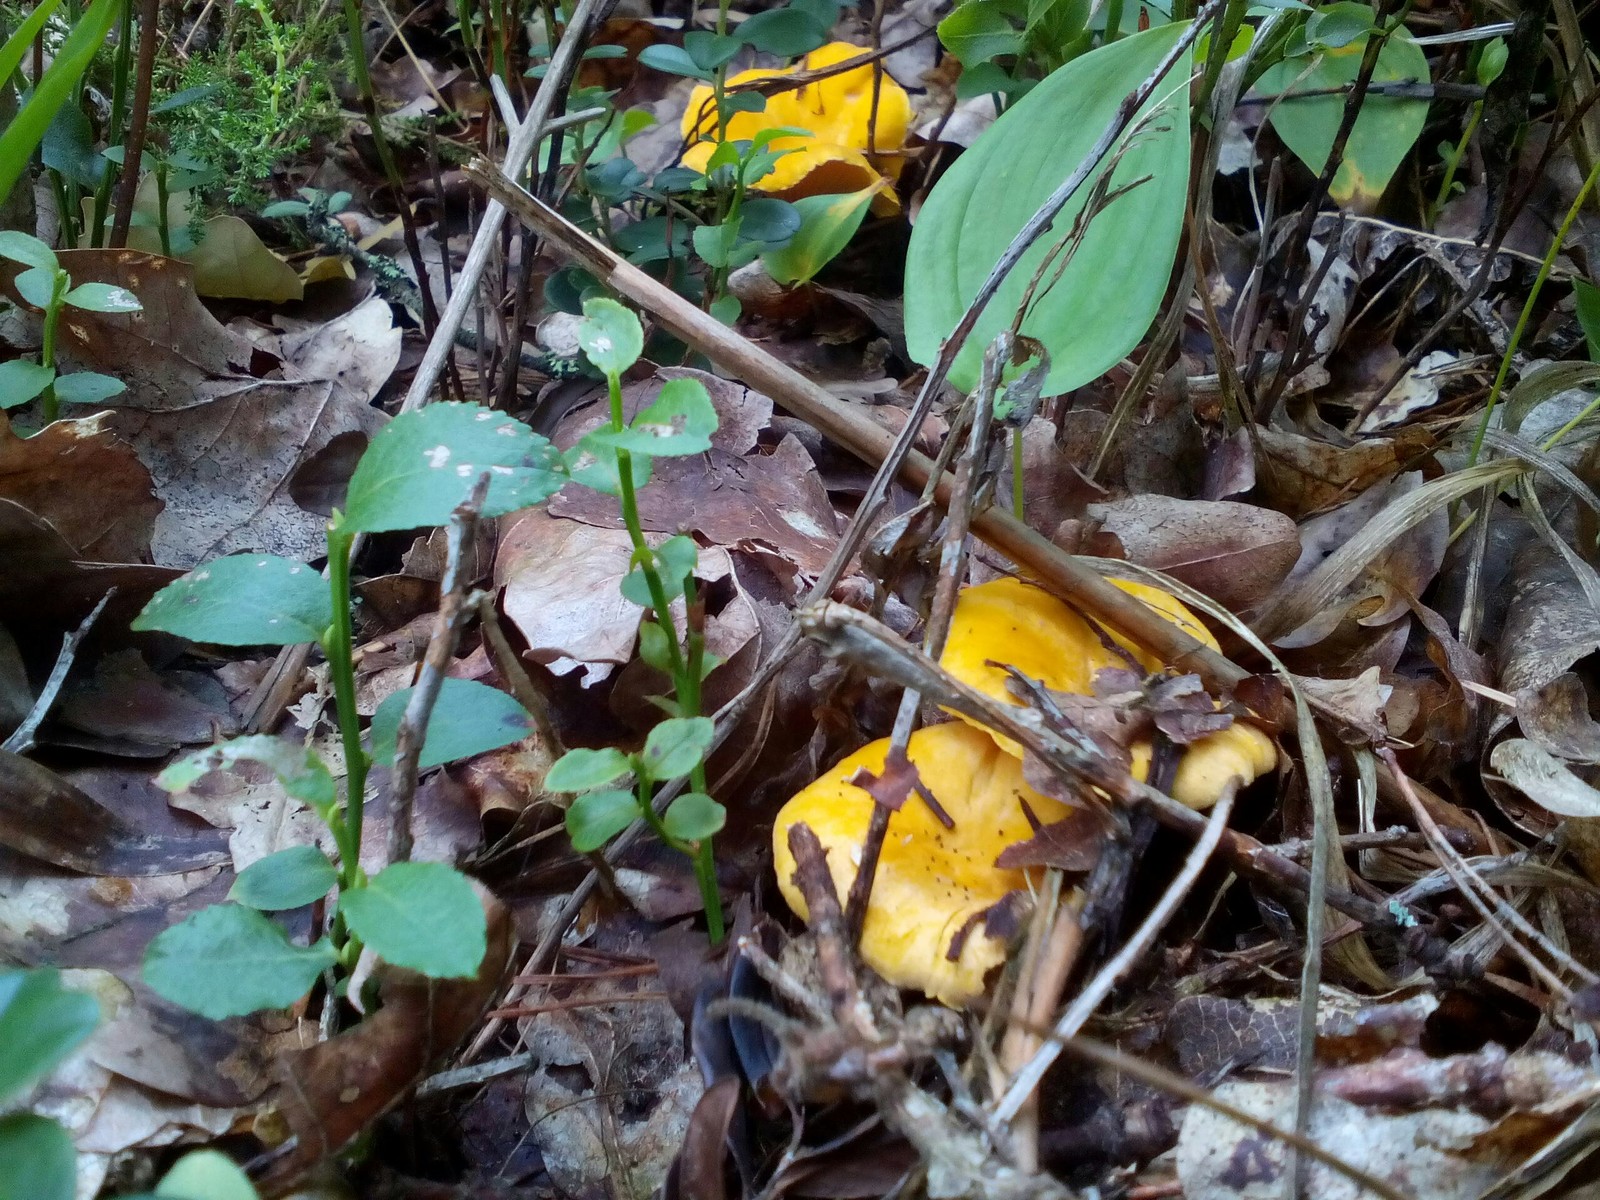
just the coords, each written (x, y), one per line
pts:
(933, 885)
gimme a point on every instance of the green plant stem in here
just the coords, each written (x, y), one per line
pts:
(705, 874)
(121, 70)
(49, 405)
(338, 645)
(1527, 309)
(1455, 161)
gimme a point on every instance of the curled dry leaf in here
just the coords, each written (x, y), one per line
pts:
(1234, 553)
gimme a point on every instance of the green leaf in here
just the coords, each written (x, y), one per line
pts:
(680, 421)
(228, 961)
(768, 220)
(1587, 298)
(288, 879)
(206, 1175)
(1492, 61)
(24, 130)
(298, 768)
(37, 285)
(694, 816)
(422, 464)
(21, 39)
(1334, 26)
(243, 600)
(610, 336)
(727, 309)
(468, 718)
(594, 819)
(103, 298)
(710, 50)
(21, 380)
(978, 31)
(583, 770)
(185, 98)
(654, 646)
(718, 245)
(674, 60)
(1384, 132)
(676, 746)
(423, 916)
(41, 1023)
(28, 250)
(675, 560)
(88, 387)
(595, 466)
(287, 208)
(37, 1161)
(1112, 289)
(787, 32)
(827, 223)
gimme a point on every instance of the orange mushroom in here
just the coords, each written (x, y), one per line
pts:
(937, 919)
(836, 112)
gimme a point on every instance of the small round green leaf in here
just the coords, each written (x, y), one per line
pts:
(227, 961)
(610, 336)
(674, 60)
(243, 600)
(26, 249)
(206, 1175)
(103, 298)
(710, 50)
(594, 465)
(288, 879)
(786, 32)
(676, 746)
(769, 220)
(422, 464)
(597, 817)
(88, 387)
(22, 380)
(694, 816)
(37, 1161)
(582, 770)
(299, 769)
(37, 285)
(468, 718)
(41, 1023)
(424, 916)
(680, 421)
(1334, 26)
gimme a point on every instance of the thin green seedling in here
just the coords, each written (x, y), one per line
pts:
(616, 459)
(173, 174)
(1491, 63)
(231, 959)
(48, 287)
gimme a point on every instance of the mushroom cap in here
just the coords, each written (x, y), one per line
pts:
(837, 111)
(1011, 622)
(932, 883)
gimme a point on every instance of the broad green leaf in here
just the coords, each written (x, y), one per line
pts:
(594, 819)
(1334, 26)
(228, 961)
(709, 50)
(594, 465)
(298, 768)
(41, 1023)
(206, 1175)
(768, 220)
(827, 223)
(676, 746)
(1587, 298)
(1384, 132)
(694, 816)
(674, 60)
(37, 1161)
(468, 718)
(26, 249)
(718, 245)
(22, 380)
(1112, 289)
(422, 464)
(679, 421)
(582, 770)
(978, 31)
(243, 600)
(37, 285)
(88, 387)
(24, 130)
(288, 879)
(424, 916)
(103, 298)
(787, 32)
(69, 147)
